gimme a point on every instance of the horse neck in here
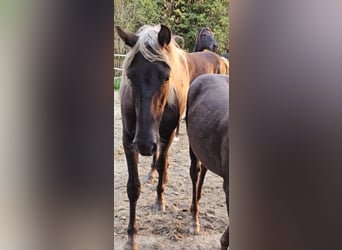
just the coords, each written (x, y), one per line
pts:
(180, 80)
(196, 43)
(196, 48)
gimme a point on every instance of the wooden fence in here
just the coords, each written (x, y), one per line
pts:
(118, 59)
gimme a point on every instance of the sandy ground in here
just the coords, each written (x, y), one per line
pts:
(168, 230)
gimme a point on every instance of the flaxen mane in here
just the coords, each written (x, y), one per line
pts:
(150, 48)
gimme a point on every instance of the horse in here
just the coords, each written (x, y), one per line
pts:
(153, 93)
(207, 126)
(205, 41)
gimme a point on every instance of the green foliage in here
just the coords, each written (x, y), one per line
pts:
(117, 82)
(189, 16)
(147, 12)
(182, 16)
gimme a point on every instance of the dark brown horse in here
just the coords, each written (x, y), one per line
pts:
(153, 93)
(207, 126)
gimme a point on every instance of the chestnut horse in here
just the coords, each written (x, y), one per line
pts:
(204, 41)
(207, 125)
(155, 83)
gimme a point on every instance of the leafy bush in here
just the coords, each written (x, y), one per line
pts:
(182, 16)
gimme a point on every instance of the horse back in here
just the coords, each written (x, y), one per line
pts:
(206, 62)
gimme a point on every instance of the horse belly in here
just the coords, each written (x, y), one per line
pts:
(205, 143)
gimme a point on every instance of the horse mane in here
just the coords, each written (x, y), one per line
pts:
(151, 50)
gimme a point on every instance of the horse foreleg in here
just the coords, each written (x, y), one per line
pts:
(178, 127)
(200, 182)
(133, 192)
(225, 239)
(177, 132)
(152, 175)
(225, 236)
(195, 168)
(162, 167)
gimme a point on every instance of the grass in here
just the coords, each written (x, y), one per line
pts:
(117, 81)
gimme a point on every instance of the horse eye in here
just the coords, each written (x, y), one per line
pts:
(164, 76)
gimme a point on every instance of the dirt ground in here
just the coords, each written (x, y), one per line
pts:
(170, 229)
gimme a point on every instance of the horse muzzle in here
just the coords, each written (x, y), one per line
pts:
(145, 147)
(214, 48)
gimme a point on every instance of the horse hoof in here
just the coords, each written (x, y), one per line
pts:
(131, 245)
(194, 228)
(159, 207)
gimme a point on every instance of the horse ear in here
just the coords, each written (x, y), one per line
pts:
(164, 35)
(128, 37)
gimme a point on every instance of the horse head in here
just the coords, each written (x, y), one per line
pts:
(205, 40)
(147, 71)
